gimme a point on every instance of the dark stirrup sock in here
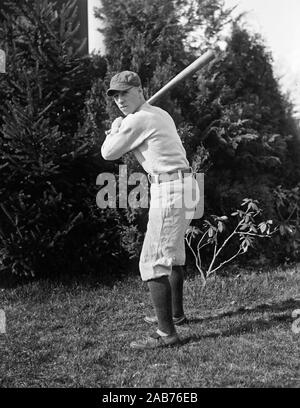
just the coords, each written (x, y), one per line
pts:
(160, 291)
(176, 282)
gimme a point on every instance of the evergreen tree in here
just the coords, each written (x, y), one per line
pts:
(241, 118)
(244, 123)
(42, 33)
(49, 147)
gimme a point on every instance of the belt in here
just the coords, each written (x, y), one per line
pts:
(171, 176)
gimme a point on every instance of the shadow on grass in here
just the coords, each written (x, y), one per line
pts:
(248, 327)
(254, 326)
(288, 304)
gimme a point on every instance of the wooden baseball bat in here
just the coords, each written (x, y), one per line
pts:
(188, 71)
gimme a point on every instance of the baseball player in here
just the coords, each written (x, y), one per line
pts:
(150, 133)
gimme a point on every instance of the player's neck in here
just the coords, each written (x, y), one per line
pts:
(142, 101)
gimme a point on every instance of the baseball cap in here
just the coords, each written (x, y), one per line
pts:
(123, 81)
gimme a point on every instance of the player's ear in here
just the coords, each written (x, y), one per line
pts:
(141, 92)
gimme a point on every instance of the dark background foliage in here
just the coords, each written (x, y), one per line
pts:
(235, 124)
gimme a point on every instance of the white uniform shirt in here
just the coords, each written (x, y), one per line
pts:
(151, 134)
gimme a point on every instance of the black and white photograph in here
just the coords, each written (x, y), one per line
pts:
(149, 198)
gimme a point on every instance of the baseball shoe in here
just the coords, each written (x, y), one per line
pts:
(178, 321)
(155, 340)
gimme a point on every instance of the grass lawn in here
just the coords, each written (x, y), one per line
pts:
(78, 335)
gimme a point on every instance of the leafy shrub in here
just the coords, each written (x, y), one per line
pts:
(214, 235)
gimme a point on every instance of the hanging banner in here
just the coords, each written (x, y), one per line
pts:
(2, 62)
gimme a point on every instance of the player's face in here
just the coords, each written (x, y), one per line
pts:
(128, 101)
